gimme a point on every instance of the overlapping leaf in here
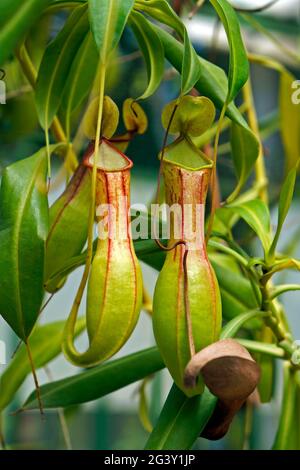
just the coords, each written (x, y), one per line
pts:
(16, 17)
(23, 231)
(108, 20)
(55, 67)
(152, 50)
(45, 345)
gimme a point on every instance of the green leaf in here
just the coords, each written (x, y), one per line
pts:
(181, 421)
(108, 20)
(68, 225)
(152, 50)
(238, 62)
(191, 70)
(289, 120)
(285, 200)
(232, 327)
(266, 349)
(16, 18)
(288, 419)
(236, 285)
(98, 381)
(45, 345)
(212, 82)
(56, 64)
(245, 151)
(81, 78)
(256, 214)
(161, 11)
(23, 231)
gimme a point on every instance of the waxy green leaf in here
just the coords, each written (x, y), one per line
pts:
(45, 345)
(256, 214)
(99, 381)
(238, 61)
(161, 11)
(108, 20)
(80, 79)
(56, 63)
(23, 231)
(16, 17)
(152, 50)
(285, 201)
(245, 151)
(288, 421)
(212, 82)
(181, 421)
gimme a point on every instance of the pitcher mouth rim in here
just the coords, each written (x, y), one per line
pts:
(90, 151)
(208, 166)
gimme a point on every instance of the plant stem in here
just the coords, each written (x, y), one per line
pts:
(278, 290)
(37, 386)
(31, 75)
(89, 251)
(61, 416)
(260, 171)
(2, 439)
(214, 188)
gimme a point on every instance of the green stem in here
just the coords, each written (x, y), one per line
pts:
(260, 171)
(264, 348)
(278, 290)
(229, 251)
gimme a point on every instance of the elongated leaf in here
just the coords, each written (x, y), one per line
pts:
(56, 63)
(152, 50)
(212, 82)
(256, 214)
(287, 421)
(245, 151)
(191, 70)
(289, 120)
(99, 381)
(80, 78)
(161, 11)
(181, 421)
(285, 200)
(108, 20)
(45, 344)
(232, 327)
(23, 231)
(238, 61)
(16, 18)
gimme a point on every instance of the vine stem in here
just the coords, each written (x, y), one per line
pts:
(89, 256)
(36, 382)
(2, 438)
(260, 170)
(214, 186)
(61, 416)
(276, 320)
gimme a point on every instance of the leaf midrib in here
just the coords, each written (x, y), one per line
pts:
(16, 244)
